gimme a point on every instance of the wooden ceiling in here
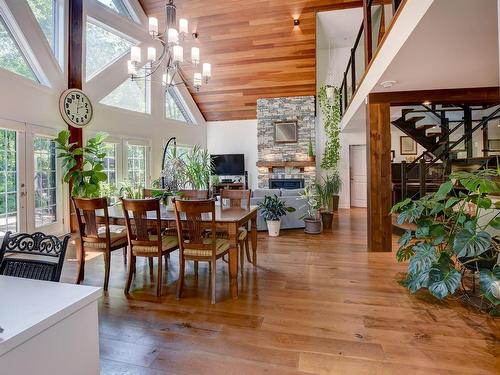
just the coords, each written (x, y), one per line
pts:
(255, 50)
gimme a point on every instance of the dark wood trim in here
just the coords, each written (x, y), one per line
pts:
(471, 96)
(367, 26)
(379, 176)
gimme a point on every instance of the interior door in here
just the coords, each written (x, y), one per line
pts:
(358, 178)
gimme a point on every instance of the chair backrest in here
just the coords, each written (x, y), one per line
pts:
(150, 193)
(193, 194)
(138, 232)
(236, 198)
(43, 256)
(192, 221)
(86, 216)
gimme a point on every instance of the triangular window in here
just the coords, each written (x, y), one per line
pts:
(45, 14)
(118, 6)
(103, 48)
(131, 94)
(11, 56)
(174, 106)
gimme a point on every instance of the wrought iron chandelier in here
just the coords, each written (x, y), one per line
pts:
(171, 60)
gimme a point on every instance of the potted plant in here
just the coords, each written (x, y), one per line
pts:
(272, 209)
(311, 217)
(454, 233)
(82, 166)
(310, 151)
(198, 168)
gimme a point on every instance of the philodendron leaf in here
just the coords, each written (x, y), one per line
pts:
(468, 243)
(404, 253)
(495, 223)
(418, 281)
(490, 284)
(425, 256)
(443, 282)
(483, 202)
(444, 190)
(405, 238)
(410, 214)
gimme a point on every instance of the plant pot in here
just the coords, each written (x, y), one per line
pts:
(273, 227)
(169, 205)
(335, 203)
(327, 219)
(312, 226)
(311, 158)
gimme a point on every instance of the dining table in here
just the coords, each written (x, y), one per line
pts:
(228, 219)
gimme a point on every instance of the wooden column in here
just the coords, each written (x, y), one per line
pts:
(75, 72)
(379, 176)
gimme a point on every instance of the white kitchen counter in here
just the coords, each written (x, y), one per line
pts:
(48, 328)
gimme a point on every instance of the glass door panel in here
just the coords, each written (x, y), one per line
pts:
(9, 193)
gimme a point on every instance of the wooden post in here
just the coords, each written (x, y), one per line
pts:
(422, 178)
(468, 131)
(404, 181)
(367, 26)
(486, 146)
(379, 176)
(75, 64)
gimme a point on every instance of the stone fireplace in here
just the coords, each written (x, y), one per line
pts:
(285, 161)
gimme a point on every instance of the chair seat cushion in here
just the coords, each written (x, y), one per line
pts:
(221, 246)
(242, 234)
(167, 243)
(117, 240)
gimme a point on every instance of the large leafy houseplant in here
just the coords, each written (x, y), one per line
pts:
(271, 208)
(330, 109)
(312, 205)
(328, 191)
(452, 234)
(198, 167)
(82, 166)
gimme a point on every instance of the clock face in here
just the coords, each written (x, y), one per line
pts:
(76, 108)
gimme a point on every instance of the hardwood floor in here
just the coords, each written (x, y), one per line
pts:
(314, 305)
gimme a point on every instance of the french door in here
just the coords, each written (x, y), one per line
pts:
(30, 182)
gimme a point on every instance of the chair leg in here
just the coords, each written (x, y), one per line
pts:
(166, 257)
(247, 249)
(242, 257)
(196, 269)
(125, 255)
(81, 264)
(151, 266)
(131, 271)
(107, 266)
(158, 285)
(214, 272)
(180, 282)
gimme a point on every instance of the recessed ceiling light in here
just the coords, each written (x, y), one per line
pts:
(296, 22)
(427, 102)
(387, 84)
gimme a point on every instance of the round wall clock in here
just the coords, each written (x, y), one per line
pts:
(76, 108)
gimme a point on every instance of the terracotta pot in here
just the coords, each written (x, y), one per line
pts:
(327, 220)
(312, 226)
(273, 227)
(311, 158)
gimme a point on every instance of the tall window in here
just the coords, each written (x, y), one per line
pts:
(8, 182)
(111, 150)
(11, 57)
(174, 107)
(118, 6)
(45, 14)
(131, 95)
(136, 165)
(45, 181)
(103, 47)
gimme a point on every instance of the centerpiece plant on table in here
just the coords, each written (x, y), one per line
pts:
(454, 233)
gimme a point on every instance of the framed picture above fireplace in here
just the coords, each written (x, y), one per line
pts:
(285, 132)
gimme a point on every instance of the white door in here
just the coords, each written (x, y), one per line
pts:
(30, 185)
(357, 171)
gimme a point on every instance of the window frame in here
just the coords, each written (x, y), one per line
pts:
(175, 94)
(147, 163)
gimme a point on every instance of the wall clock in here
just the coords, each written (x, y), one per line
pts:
(76, 108)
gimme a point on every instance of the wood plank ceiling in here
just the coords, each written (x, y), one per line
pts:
(255, 50)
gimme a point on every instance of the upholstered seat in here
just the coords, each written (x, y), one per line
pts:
(167, 243)
(118, 238)
(221, 245)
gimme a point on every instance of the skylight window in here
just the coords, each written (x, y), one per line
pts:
(11, 56)
(118, 6)
(103, 48)
(45, 14)
(175, 108)
(131, 95)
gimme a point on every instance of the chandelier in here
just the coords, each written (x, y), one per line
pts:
(171, 60)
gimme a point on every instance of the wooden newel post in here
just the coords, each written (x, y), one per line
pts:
(404, 181)
(422, 173)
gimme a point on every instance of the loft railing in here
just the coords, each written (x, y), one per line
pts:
(377, 16)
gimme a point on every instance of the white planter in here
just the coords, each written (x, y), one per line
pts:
(273, 226)
(170, 204)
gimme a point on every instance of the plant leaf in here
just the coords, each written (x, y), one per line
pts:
(425, 256)
(469, 243)
(489, 282)
(443, 282)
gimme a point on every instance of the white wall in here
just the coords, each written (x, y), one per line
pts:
(235, 137)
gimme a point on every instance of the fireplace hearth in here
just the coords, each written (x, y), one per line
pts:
(286, 183)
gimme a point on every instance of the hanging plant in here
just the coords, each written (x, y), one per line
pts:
(330, 108)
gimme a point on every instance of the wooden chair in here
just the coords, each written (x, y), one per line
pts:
(42, 256)
(149, 193)
(103, 238)
(241, 199)
(196, 245)
(191, 194)
(141, 240)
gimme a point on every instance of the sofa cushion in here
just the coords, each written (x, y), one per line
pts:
(291, 192)
(261, 193)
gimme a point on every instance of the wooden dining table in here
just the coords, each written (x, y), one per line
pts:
(227, 219)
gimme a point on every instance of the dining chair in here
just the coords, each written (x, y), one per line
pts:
(96, 237)
(143, 237)
(240, 199)
(192, 194)
(33, 256)
(150, 193)
(193, 241)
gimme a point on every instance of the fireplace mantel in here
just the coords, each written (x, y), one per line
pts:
(299, 164)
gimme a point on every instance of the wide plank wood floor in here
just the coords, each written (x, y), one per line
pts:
(314, 305)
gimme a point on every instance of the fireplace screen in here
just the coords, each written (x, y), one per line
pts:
(285, 132)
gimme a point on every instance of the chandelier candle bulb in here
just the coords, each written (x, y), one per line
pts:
(151, 54)
(195, 55)
(173, 36)
(135, 54)
(178, 54)
(197, 80)
(183, 26)
(207, 70)
(153, 26)
(131, 68)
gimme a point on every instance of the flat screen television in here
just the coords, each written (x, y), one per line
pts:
(228, 164)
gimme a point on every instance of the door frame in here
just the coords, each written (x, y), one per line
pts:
(350, 163)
